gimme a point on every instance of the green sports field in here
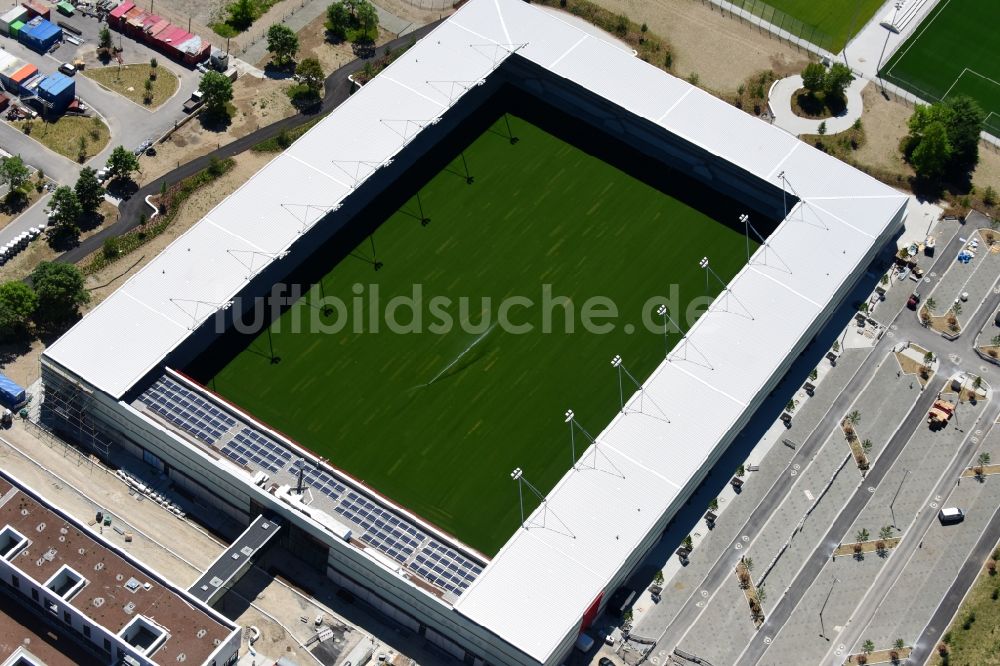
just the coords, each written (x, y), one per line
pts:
(955, 51)
(436, 420)
(829, 25)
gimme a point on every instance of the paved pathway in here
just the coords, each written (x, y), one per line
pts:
(780, 101)
(338, 89)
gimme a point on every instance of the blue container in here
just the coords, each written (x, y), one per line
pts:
(11, 395)
(58, 90)
(39, 34)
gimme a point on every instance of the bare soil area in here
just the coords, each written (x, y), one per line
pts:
(258, 102)
(720, 50)
(313, 44)
(415, 15)
(885, 126)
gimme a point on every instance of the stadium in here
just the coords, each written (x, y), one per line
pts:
(439, 476)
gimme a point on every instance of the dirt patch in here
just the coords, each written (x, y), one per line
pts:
(413, 14)
(313, 44)
(987, 172)
(105, 281)
(258, 102)
(868, 546)
(911, 366)
(885, 126)
(7, 215)
(720, 50)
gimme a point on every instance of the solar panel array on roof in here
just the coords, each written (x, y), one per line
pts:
(445, 567)
(187, 410)
(249, 446)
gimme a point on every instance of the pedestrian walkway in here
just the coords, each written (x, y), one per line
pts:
(780, 102)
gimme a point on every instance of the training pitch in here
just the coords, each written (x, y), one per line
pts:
(955, 51)
(436, 420)
(829, 25)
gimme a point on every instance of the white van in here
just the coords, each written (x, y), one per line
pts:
(951, 515)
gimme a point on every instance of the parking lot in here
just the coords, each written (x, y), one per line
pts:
(804, 503)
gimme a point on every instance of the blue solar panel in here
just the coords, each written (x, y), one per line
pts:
(187, 410)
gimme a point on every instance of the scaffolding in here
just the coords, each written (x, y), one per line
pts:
(66, 409)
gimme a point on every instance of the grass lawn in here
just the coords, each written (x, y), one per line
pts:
(829, 25)
(955, 51)
(64, 134)
(974, 635)
(130, 81)
(436, 420)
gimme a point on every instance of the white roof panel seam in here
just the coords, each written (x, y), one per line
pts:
(323, 173)
(659, 121)
(568, 51)
(415, 92)
(235, 235)
(164, 315)
(789, 289)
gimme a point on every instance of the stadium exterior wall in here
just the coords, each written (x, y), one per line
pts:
(231, 491)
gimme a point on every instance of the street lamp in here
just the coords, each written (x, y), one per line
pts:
(822, 628)
(662, 311)
(892, 513)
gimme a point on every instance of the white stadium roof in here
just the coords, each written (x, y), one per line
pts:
(538, 586)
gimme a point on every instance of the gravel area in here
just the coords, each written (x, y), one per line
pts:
(720, 50)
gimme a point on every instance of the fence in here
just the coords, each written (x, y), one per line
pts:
(801, 35)
(437, 5)
(990, 137)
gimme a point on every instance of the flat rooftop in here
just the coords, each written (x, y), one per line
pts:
(117, 588)
(23, 630)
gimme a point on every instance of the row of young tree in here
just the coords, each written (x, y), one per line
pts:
(51, 300)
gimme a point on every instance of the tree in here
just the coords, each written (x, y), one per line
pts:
(956, 308)
(899, 644)
(658, 577)
(367, 18)
(761, 594)
(930, 304)
(748, 563)
(862, 535)
(814, 77)
(104, 38)
(983, 459)
(932, 152)
(122, 163)
(790, 407)
(17, 303)
(14, 173)
(866, 445)
(854, 418)
(282, 43)
(868, 647)
(814, 374)
(964, 126)
(148, 91)
(713, 504)
(242, 14)
(218, 91)
(338, 19)
(821, 130)
(990, 198)
(60, 292)
(310, 72)
(837, 80)
(65, 207)
(885, 533)
(89, 191)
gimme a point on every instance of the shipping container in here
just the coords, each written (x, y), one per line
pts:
(64, 7)
(15, 29)
(40, 35)
(57, 90)
(16, 14)
(37, 8)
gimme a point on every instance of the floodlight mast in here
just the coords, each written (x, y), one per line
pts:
(516, 475)
(725, 287)
(662, 311)
(617, 363)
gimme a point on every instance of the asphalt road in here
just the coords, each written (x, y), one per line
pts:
(900, 557)
(776, 494)
(843, 522)
(338, 89)
(928, 639)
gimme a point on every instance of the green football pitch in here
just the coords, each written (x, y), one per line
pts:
(437, 419)
(829, 25)
(955, 51)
